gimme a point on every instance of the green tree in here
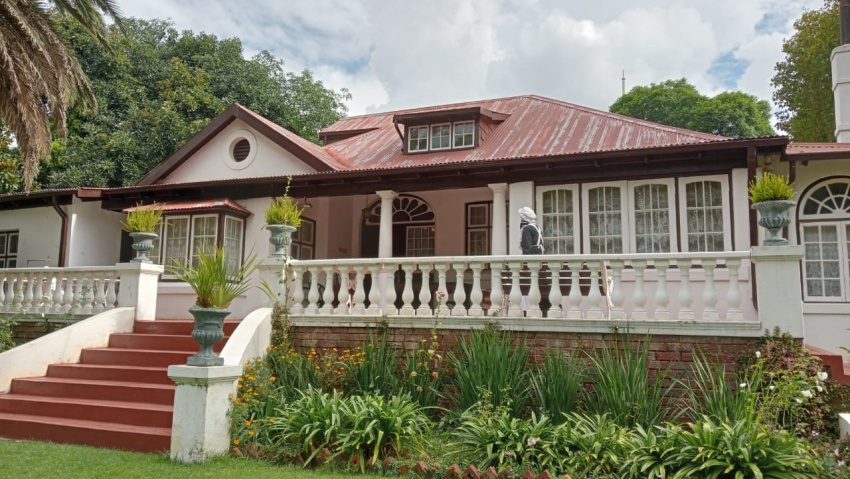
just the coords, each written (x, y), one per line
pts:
(803, 80)
(161, 87)
(678, 103)
(41, 77)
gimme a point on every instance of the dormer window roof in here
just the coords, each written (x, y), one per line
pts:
(440, 130)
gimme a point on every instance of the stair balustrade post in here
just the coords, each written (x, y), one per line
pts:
(138, 288)
(200, 426)
(778, 287)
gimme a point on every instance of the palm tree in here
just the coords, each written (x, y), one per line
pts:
(40, 77)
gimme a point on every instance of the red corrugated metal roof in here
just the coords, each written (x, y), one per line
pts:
(195, 205)
(535, 126)
(795, 148)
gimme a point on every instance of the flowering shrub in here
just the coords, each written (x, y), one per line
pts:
(793, 391)
(424, 371)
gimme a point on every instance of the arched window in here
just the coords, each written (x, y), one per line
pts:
(413, 227)
(825, 233)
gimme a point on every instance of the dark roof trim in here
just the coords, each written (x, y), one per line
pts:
(469, 112)
(37, 199)
(233, 112)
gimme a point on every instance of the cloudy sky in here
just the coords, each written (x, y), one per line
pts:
(394, 54)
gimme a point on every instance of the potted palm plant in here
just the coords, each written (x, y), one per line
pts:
(283, 217)
(215, 289)
(771, 197)
(143, 223)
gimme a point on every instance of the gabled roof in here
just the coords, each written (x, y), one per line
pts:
(533, 126)
(306, 151)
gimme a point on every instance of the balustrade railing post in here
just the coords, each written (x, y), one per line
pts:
(639, 296)
(99, 296)
(296, 288)
(574, 298)
(515, 310)
(327, 295)
(139, 284)
(594, 297)
(686, 297)
(441, 286)
(407, 293)
(379, 274)
(496, 294)
(357, 306)
(661, 296)
(709, 295)
(425, 290)
(388, 293)
(616, 295)
(534, 290)
(58, 292)
(28, 292)
(313, 294)
(475, 295)
(344, 296)
(555, 296)
(733, 295)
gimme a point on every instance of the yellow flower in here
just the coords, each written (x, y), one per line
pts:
(272, 378)
(250, 433)
(271, 420)
(236, 442)
(413, 374)
(248, 422)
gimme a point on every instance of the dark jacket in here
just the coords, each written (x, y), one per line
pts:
(531, 241)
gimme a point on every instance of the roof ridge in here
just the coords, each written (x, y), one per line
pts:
(623, 117)
(392, 112)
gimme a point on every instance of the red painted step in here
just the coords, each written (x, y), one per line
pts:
(115, 397)
(838, 369)
(88, 432)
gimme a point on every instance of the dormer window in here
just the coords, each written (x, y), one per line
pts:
(464, 134)
(441, 136)
(417, 138)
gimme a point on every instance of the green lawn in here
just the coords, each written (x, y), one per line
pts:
(28, 459)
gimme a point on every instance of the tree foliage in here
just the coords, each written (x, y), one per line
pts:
(161, 87)
(41, 77)
(678, 103)
(803, 85)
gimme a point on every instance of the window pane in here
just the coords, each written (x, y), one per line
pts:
(822, 264)
(441, 137)
(203, 236)
(704, 216)
(233, 244)
(652, 222)
(605, 220)
(176, 241)
(418, 138)
(420, 241)
(13, 243)
(463, 135)
(557, 222)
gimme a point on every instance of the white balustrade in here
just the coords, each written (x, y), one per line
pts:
(658, 287)
(71, 291)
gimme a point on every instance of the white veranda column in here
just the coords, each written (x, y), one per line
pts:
(499, 241)
(385, 238)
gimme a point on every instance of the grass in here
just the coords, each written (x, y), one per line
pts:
(29, 459)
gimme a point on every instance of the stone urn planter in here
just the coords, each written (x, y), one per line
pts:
(209, 323)
(142, 244)
(281, 238)
(773, 216)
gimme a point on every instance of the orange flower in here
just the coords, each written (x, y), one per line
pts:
(236, 442)
(272, 378)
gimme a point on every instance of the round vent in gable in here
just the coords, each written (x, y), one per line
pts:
(241, 150)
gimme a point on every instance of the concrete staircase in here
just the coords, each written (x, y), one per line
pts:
(117, 397)
(838, 369)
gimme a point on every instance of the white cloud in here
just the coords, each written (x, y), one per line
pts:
(393, 54)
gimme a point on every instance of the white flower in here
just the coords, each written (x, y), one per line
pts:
(822, 375)
(742, 385)
(820, 389)
(758, 354)
(799, 401)
(771, 387)
(806, 393)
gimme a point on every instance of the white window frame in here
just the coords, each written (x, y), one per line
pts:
(410, 138)
(683, 209)
(193, 236)
(486, 227)
(431, 136)
(472, 134)
(624, 213)
(240, 239)
(300, 244)
(577, 214)
(7, 256)
(163, 239)
(842, 238)
(431, 235)
(671, 206)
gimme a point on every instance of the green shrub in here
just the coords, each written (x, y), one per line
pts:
(650, 455)
(771, 187)
(424, 371)
(6, 340)
(213, 284)
(488, 362)
(622, 388)
(710, 394)
(379, 368)
(593, 446)
(143, 219)
(283, 210)
(744, 450)
(375, 429)
(491, 436)
(556, 384)
(306, 426)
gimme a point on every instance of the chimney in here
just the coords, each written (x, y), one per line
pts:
(840, 60)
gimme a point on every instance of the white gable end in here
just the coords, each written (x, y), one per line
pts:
(238, 151)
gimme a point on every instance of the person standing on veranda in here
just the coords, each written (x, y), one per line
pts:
(530, 242)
